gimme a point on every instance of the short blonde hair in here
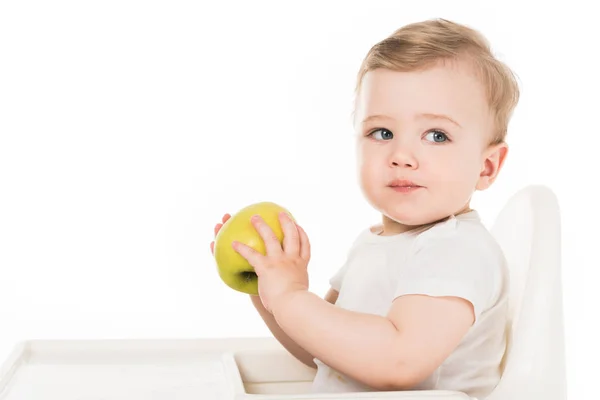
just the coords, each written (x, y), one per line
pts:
(423, 44)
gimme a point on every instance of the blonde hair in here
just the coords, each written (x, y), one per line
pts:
(423, 44)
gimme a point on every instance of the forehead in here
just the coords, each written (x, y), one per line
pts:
(450, 89)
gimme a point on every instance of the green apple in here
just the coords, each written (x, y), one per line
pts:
(234, 270)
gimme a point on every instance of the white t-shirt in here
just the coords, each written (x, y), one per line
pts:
(457, 257)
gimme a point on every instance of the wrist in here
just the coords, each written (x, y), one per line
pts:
(285, 301)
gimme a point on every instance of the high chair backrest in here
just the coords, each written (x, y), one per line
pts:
(529, 231)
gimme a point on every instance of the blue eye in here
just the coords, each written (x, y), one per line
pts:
(385, 134)
(437, 136)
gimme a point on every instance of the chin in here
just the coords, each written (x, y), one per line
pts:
(404, 216)
(410, 221)
(410, 216)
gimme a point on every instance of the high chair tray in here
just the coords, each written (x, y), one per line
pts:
(181, 369)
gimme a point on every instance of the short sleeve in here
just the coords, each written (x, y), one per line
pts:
(336, 280)
(453, 265)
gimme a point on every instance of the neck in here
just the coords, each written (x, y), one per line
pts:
(392, 227)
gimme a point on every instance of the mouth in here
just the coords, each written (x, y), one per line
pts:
(404, 186)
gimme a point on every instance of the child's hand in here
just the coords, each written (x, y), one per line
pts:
(283, 270)
(217, 229)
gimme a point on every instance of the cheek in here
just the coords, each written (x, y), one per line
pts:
(366, 157)
(367, 171)
(453, 168)
(369, 166)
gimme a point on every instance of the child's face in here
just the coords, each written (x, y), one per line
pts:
(411, 140)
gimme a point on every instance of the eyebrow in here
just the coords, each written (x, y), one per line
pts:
(422, 115)
(439, 116)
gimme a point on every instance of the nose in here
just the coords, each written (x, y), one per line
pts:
(403, 157)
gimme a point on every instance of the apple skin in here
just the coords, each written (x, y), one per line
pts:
(234, 270)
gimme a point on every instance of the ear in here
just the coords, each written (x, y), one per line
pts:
(493, 161)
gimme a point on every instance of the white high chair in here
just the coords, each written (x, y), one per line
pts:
(528, 229)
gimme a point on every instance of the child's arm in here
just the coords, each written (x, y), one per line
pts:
(392, 352)
(289, 344)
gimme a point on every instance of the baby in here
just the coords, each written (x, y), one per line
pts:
(421, 301)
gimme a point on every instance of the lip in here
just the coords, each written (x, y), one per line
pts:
(404, 186)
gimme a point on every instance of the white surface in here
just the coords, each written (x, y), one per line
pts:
(120, 380)
(208, 369)
(76, 371)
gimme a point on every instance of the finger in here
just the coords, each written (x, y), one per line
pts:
(272, 245)
(220, 224)
(253, 257)
(212, 248)
(304, 244)
(217, 228)
(291, 243)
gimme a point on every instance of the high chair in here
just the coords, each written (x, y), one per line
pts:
(527, 228)
(529, 231)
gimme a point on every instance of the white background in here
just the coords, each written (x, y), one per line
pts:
(128, 128)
